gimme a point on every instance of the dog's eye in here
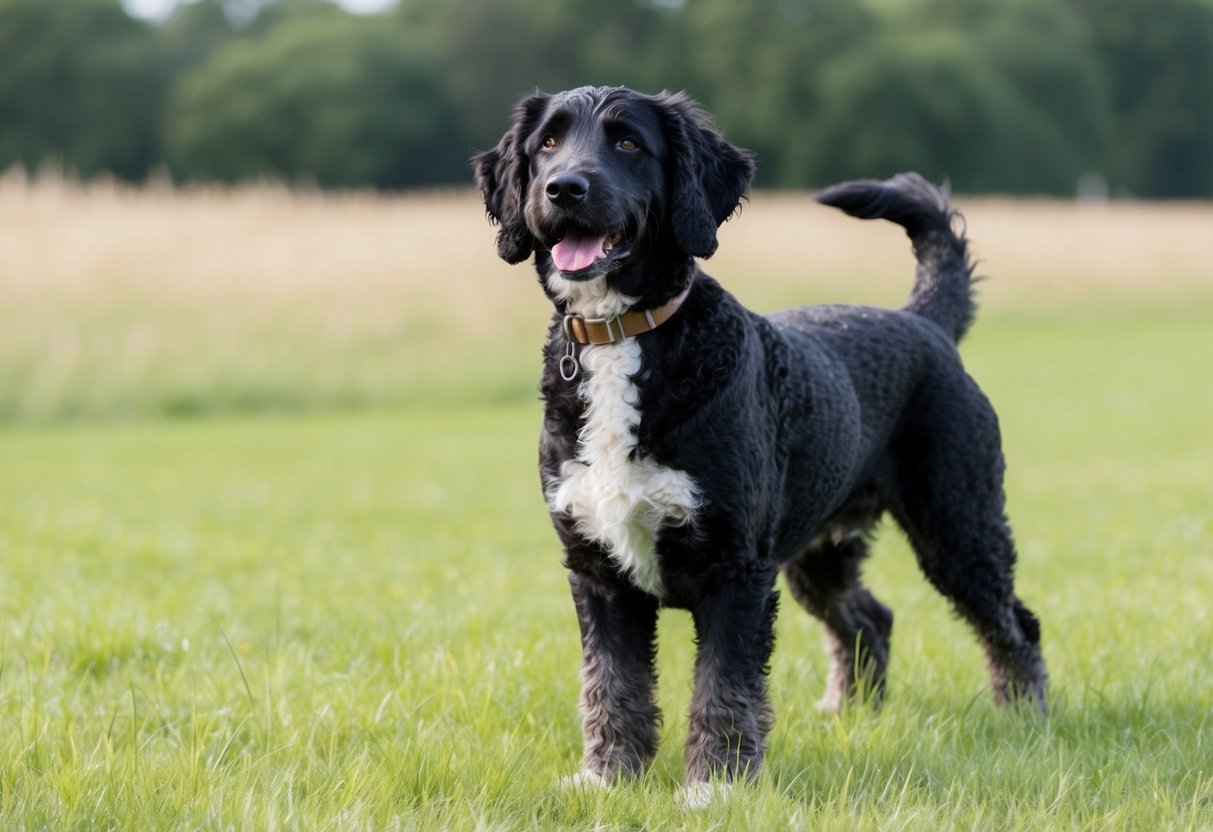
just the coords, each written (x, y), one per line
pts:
(549, 142)
(628, 143)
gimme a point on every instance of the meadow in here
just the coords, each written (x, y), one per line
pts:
(272, 553)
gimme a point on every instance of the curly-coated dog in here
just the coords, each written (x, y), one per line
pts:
(692, 449)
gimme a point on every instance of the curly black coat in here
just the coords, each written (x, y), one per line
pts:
(686, 466)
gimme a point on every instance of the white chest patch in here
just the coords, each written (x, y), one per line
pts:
(619, 500)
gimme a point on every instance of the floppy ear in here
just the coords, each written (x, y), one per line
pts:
(503, 175)
(709, 175)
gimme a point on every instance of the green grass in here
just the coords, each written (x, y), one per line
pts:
(359, 621)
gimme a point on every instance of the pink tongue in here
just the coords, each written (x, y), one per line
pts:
(573, 253)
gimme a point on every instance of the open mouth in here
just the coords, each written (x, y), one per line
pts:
(581, 256)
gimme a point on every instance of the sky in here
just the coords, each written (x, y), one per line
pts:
(158, 9)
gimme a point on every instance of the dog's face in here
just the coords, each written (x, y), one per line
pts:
(598, 180)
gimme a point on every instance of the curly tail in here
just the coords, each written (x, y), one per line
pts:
(943, 286)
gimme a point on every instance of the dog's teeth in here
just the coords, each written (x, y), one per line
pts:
(607, 246)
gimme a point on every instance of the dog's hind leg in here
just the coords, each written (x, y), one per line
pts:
(618, 675)
(825, 580)
(970, 560)
(967, 554)
(950, 502)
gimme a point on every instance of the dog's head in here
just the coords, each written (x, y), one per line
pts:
(594, 178)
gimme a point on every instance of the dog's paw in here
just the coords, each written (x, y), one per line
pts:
(702, 794)
(831, 704)
(584, 780)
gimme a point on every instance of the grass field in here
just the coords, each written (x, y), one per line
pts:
(272, 553)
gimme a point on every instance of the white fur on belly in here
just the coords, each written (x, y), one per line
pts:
(618, 500)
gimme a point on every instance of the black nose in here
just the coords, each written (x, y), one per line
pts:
(567, 189)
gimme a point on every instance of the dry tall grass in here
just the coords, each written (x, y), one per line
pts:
(123, 301)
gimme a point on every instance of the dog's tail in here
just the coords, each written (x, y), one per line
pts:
(943, 288)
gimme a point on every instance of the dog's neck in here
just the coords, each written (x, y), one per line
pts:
(598, 331)
(590, 298)
(597, 313)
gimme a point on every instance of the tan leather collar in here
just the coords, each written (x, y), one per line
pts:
(587, 331)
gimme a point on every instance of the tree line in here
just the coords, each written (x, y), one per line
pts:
(1031, 96)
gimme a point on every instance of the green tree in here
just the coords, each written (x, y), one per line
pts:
(759, 68)
(1158, 59)
(193, 32)
(1018, 97)
(323, 95)
(994, 96)
(81, 85)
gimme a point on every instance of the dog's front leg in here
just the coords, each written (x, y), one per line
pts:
(618, 675)
(730, 714)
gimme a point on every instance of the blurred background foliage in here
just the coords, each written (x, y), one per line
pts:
(1032, 96)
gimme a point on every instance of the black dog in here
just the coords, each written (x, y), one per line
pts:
(691, 448)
